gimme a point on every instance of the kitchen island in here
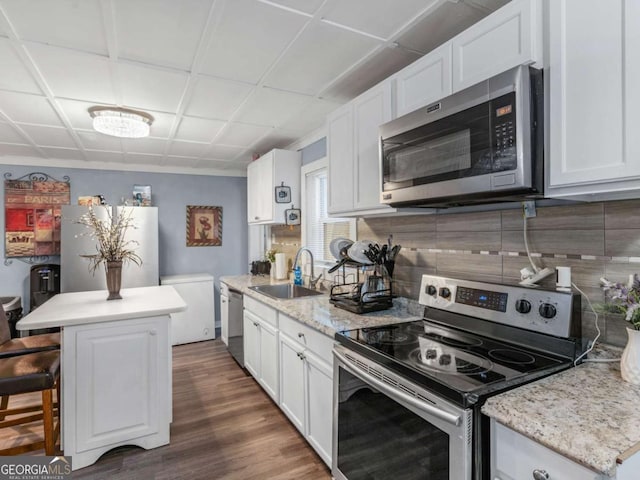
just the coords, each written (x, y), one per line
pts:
(116, 368)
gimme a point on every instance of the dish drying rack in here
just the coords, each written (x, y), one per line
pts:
(377, 294)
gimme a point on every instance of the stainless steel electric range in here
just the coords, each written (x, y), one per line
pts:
(407, 396)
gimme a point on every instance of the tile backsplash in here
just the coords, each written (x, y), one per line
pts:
(594, 239)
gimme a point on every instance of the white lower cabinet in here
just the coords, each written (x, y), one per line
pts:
(319, 398)
(261, 352)
(306, 383)
(116, 387)
(516, 457)
(293, 363)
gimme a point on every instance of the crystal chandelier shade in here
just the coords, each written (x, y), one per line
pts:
(121, 122)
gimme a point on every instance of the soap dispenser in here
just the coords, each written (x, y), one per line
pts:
(297, 275)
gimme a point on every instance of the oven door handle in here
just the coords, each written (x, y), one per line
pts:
(398, 394)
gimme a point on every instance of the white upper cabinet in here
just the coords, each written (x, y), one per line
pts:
(274, 169)
(424, 81)
(354, 166)
(593, 99)
(340, 151)
(509, 37)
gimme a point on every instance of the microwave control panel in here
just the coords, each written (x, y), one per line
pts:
(504, 131)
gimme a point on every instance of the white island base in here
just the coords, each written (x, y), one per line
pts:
(116, 368)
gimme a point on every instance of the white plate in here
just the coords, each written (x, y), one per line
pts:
(338, 244)
(356, 252)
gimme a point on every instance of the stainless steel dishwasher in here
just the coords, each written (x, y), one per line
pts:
(234, 332)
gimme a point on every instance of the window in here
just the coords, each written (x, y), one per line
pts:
(318, 228)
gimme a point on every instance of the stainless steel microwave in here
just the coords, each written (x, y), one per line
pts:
(483, 144)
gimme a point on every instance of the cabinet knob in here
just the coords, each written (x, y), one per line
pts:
(540, 474)
(256, 218)
(152, 332)
(300, 355)
(224, 301)
(300, 335)
(255, 324)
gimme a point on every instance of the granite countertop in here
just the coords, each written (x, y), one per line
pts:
(587, 413)
(318, 312)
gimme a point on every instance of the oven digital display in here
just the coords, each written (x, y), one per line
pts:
(482, 298)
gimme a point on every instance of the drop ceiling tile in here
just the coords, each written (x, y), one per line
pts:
(162, 124)
(154, 146)
(443, 23)
(23, 107)
(162, 32)
(18, 151)
(376, 17)
(306, 6)
(214, 98)
(49, 136)
(143, 159)
(151, 88)
(63, 153)
(241, 134)
(181, 161)
(321, 53)
(102, 156)
(278, 139)
(198, 129)
(8, 134)
(379, 66)
(66, 23)
(72, 74)
(313, 116)
(223, 152)
(249, 38)
(99, 141)
(271, 107)
(16, 76)
(187, 149)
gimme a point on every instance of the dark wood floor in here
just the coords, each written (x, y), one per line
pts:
(224, 427)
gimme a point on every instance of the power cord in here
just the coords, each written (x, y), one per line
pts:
(592, 343)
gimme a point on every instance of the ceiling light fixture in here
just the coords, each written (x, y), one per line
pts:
(121, 122)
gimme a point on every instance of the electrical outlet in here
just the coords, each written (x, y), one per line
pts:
(529, 208)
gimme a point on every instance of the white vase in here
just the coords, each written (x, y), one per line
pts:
(630, 361)
(272, 271)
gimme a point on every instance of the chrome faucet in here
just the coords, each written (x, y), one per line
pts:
(312, 281)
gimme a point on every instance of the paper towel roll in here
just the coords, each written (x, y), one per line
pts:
(563, 278)
(281, 266)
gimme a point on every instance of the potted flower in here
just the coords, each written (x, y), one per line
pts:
(270, 255)
(625, 299)
(113, 249)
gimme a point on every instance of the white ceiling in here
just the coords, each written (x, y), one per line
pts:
(224, 79)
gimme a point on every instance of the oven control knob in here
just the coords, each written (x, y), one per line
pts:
(445, 292)
(523, 306)
(547, 310)
(445, 359)
(432, 290)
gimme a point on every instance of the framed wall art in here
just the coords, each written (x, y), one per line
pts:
(283, 194)
(32, 212)
(204, 226)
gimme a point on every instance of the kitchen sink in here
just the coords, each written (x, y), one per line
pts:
(285, 291)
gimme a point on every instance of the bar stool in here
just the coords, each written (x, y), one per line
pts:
(32, 372)
(19, 346)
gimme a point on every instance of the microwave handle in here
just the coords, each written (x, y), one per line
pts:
(398, 394)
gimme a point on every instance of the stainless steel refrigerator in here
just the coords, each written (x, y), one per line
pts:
(74, 269)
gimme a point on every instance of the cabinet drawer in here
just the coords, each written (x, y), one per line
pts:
(515, 457)
(262, 311)
(307, 337)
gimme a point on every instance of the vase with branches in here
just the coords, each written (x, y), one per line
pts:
(113, 249)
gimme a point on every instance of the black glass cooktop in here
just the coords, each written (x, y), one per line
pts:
(455, 360)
